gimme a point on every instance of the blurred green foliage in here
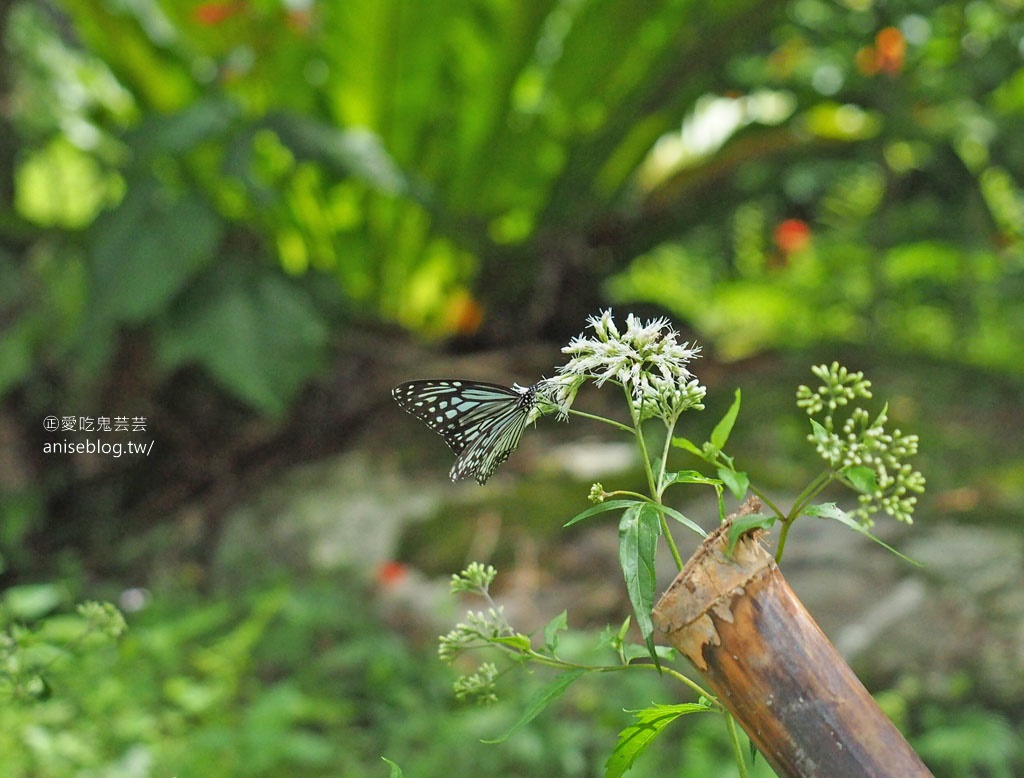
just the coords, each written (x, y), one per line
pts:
(492, 161)
(912, 236)
(281, 680)
(236, 185)
(303, 680)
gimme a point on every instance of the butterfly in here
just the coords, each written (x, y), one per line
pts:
(480, 422)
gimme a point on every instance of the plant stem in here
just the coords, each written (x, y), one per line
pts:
(671, 542)
(812, 490)
(737, 749)
(669, 428)
(783, 534)
(561, 664)
(654, 486)
(594, 417)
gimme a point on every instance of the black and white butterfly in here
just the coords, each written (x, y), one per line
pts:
(480, 422)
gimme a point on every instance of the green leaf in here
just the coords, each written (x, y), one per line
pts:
(720, 434)
(689, 477)
(631, 651)
(542, 699)
(519, 641)
(736, 480)
(638, 541)
(146, 250)
(634, 739)
(356, 152)
(819, 432)
(832, 511)
(28, 602)
(743, 524)
(689, 523)
(396, 771)
(556, 625)
(258, 335)
(863, 479)
(611, 505)
(688, 445)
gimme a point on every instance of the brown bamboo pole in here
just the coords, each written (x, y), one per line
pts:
(736, 619)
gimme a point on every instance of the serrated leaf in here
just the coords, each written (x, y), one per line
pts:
(556, 625)
(396, 771)
(638, 541)
(744, 524)
(863, 479)
(832, 511)
(634, 739)
(720, 434)
(736, 480)
(611, 505)
(541, 700)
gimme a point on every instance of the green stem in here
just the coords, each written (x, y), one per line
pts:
(771, 506)
(602, 419)
(627, 493)
(812, 490)
(651, 483)
(669, 428)
(737, 748)
(665, 530)
(561, 664)
(783, 534)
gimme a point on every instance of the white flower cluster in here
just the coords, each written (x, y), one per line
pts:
(646, 359)
(861, 442)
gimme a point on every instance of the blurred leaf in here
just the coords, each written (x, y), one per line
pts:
(261, 338)
(846, 122)
(551, 630)
(352, 152)
(146, 250)
(542, 699)
(16, 353)
(29, 602)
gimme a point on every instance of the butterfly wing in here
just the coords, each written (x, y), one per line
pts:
(480, 422)
(493, 445)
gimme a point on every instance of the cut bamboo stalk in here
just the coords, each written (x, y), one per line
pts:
(736, 619)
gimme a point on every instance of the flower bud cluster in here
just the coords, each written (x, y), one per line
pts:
(860, 442)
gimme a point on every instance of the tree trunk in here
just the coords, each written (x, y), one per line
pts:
(771, 666)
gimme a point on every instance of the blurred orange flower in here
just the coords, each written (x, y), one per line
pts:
(792, 235)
